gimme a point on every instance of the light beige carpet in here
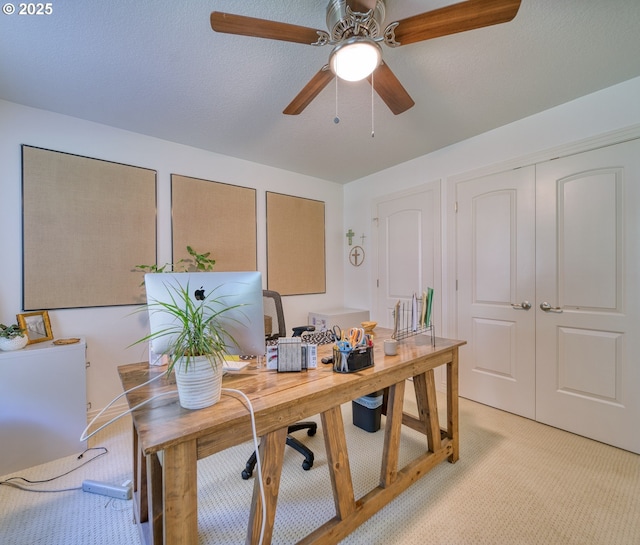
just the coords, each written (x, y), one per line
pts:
(517, 482)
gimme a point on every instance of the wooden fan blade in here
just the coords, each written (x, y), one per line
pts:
(361, 6)
(262, 28)
(310, 91)
(390, 90)
(456, 18)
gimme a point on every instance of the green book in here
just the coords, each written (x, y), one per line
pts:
(427, 321)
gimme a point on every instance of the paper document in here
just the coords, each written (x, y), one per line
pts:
(414, 313)
(396, 317)
(234, 363)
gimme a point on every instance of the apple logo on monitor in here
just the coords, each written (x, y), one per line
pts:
(199, 294)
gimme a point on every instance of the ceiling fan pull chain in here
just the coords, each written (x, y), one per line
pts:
(373, 132)
(336, 119)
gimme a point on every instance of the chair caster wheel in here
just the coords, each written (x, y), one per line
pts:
(311, 432)
(246, 474)
(306, 465)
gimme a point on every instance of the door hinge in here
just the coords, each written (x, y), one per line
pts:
(456, 284)
(455, 206)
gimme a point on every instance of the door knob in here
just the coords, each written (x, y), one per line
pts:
(548, 308)
(525, 305)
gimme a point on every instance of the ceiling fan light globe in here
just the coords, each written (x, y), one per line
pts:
(355, 59)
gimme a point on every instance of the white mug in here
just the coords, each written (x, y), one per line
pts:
(390, 347)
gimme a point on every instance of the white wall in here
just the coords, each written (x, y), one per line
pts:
(611, 109)
(110, 330)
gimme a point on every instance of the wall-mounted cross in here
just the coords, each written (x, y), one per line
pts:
(350, 235)
(356, 256)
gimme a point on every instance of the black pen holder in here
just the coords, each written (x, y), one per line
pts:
(354, 360)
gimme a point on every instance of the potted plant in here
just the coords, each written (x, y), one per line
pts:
(196, 343)
(196, 263)
(12, 337)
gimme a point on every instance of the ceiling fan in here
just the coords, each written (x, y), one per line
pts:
(356, 32)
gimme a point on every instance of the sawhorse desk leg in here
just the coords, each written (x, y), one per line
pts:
(271, 453)
(452, 407)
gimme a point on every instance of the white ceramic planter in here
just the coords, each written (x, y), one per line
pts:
(200, 384)
(13, 344)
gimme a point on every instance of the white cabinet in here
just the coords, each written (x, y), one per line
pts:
(43, 404)
(342, 317)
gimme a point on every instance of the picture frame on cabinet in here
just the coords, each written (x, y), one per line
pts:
(37, 326)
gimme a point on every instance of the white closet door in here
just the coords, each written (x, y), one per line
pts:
(588, 281)
(408, 250)
(495, 274)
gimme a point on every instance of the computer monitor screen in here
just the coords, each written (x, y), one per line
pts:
(245, 324)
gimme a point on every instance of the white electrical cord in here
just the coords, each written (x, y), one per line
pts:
(257, 451)
(254, 432)
(84, 435)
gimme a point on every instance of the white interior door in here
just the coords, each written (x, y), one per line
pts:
(408, 249)
(496, 285)
(588, 278)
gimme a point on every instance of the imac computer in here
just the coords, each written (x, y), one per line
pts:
(245, 323)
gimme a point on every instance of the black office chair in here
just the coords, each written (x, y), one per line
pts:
(275, 328)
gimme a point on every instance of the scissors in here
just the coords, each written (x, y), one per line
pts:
(356, 336)
(344, 347)
(353, 336)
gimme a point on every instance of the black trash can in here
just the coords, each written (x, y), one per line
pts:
(366, 411)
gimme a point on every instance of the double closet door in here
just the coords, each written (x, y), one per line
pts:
(548, 292)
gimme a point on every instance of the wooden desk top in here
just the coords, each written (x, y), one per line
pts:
(278, 399)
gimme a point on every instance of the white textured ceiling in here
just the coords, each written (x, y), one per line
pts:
(155, 67)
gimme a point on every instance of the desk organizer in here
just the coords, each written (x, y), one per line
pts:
(412, 319)
(359, 358)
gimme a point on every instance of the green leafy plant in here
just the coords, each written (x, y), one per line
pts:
(155, 268)
(11, 331)
(196, 263)
(197, 329)
(201, 262)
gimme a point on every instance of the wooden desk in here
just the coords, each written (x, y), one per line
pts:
(165, 495)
